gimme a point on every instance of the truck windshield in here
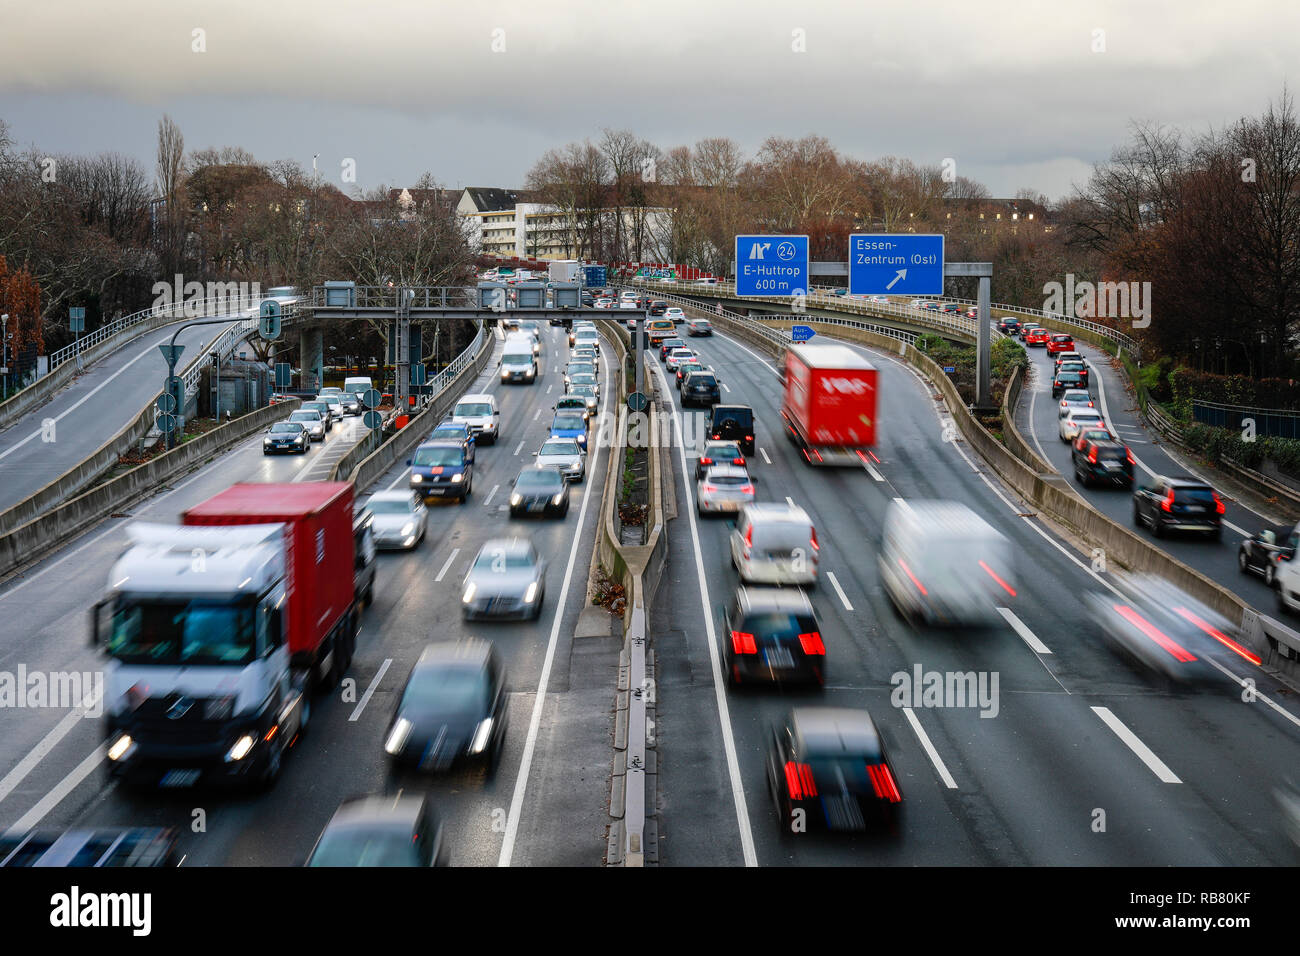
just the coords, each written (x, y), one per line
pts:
(182, 631)
(441, 457)
(472, 409)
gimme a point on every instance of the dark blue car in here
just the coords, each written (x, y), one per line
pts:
(442, 469)
(457, 432)
(569, 424)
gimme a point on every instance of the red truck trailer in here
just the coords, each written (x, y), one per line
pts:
(829, 403)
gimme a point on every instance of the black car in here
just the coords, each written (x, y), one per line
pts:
(1099, 457)
(286, 437)
(1067, 379)
(658, 308)
(1009, 326)
(1178, 504)
(1080, 367)
(667, 345)
(401, 830)
(700, 388)
(540, 491)
(831, 764)
(81, 847)
(772, 635)
(1261, 552)
(735, 422)
(452, 709)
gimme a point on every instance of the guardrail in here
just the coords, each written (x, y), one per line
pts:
(37, 537)
(386, 297)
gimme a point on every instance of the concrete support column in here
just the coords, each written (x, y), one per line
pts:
(313, 359)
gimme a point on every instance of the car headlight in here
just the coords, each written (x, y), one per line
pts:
(265, 442)
(416, 479)
(241, 748)
(482, 734)
(558, 498)
(531, 594)
(407, 528)
(121, 748)
(459, 476)
(505, 374)
(470, 590)
(582, 440)
(396, 741)
(516, 499)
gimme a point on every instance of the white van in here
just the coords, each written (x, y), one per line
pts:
(943, 564)
(481, 414)
(775, 544)
(518, 363)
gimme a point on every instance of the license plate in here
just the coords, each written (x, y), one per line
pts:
(778, 657)
(437, 491)
(179, 778)
(1111, 465)
(537, 506)
(1194, 509)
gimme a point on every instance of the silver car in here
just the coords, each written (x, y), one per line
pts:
(565, 454)
(507, 579)
(400, 519)
(335, 404)
(349, 400)
(321, 406)
(589, 394)
(724, 488)
(312, 421)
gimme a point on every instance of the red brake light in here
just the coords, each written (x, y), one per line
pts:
(1218, 502)
(747, 490)
(908, 571)
(1167, 504)
(812, 643)
(749, 536)
(815, 545)
(710, 488)
(743, 643)
(991, 573)
(882, 781)
(799, 781)
(737, 461)
(1129, 455)
(706, 461)
(1092, 455)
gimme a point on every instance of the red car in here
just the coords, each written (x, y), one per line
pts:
(1037, 337)
(1060, 343)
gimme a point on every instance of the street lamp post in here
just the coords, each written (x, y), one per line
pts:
(4, 352)
(216, 381)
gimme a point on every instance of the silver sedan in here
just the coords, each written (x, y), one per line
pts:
(507, 579)
(723, 488)
(565, 454)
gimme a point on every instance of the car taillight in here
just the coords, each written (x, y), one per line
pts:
(706, 461)
(882, 782)
(743, 643)
(812, 643)
(1167, 504)
(908, 571)
(749, 536)
(1218, 502)
(815, 545)
(747, 490)
(710, 488)
(1092, 455)
(799, 781)
(738, 461)
(1129, 455)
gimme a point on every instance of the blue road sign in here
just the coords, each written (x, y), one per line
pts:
(771, 265)
(77, 318)
(802, 333)
(950, 369)
(283, 374)
(896, 264)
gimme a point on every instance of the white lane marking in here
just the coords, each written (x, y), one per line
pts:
(64, 787)
(1026, 635)
(548, 389)
(539, 703)
(789, 501)
(91, 394)
(370, 690)
(1131, 740)
(48, 743)
(725, 387)
(537, 414)
(450, 558)
(519, 448)
(922, 736)
(835, 583)
(488, 500)
(871, 470)
(763, 452)
(719, 688)
(1033, 431)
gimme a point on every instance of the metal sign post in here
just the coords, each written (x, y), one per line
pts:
(77, 324)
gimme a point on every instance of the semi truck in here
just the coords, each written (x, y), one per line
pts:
(565, 270)
(218, 632)
(829, 403)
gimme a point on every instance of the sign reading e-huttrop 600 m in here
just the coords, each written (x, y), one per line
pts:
(771, 265)
(896, 264)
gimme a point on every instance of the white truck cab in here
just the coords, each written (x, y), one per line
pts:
(481, 414)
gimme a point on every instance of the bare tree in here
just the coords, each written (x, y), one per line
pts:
(171, 154)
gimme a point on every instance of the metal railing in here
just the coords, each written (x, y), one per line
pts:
(386, 297)
(224, 345)
(1097, 328)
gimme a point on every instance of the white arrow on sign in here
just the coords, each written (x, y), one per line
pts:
(902, 274)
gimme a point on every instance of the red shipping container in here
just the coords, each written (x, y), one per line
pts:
(320, 553)
(830, 395)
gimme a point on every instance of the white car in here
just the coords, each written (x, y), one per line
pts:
(565, 454)
(400, 519)
(677, 356)
(775, 544)
(724, 488)
(627, 304)
(1078, 419)
(480, 413)
(312, 421)
(628, 294)
(603, 304)
(676, 314)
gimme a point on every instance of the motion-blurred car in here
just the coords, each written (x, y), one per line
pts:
(941, 563)
(480, 413)
(442, 469)
(1076, 420)
(400, 519)
(566, 455)
(85, 847)
(1263, 551)
(658, 307)
(397, 830)
(669, 345)
(1178, 504)
(831, 763)
(699, 327)
(452, 708)
(1100, 457)
(700, 387)
(775, 543)
(773, 635)
(1008, 325)
(311, 420)
(287, 436)
(458, 432)
(718, 453)
(507, 579)
(540, 491)
(724, 488)
(1026, 328)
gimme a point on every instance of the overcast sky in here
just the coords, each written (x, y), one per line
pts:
(1013, 91)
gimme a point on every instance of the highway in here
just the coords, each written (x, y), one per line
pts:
(1079, 737)
(547, 804)
(54, 437)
